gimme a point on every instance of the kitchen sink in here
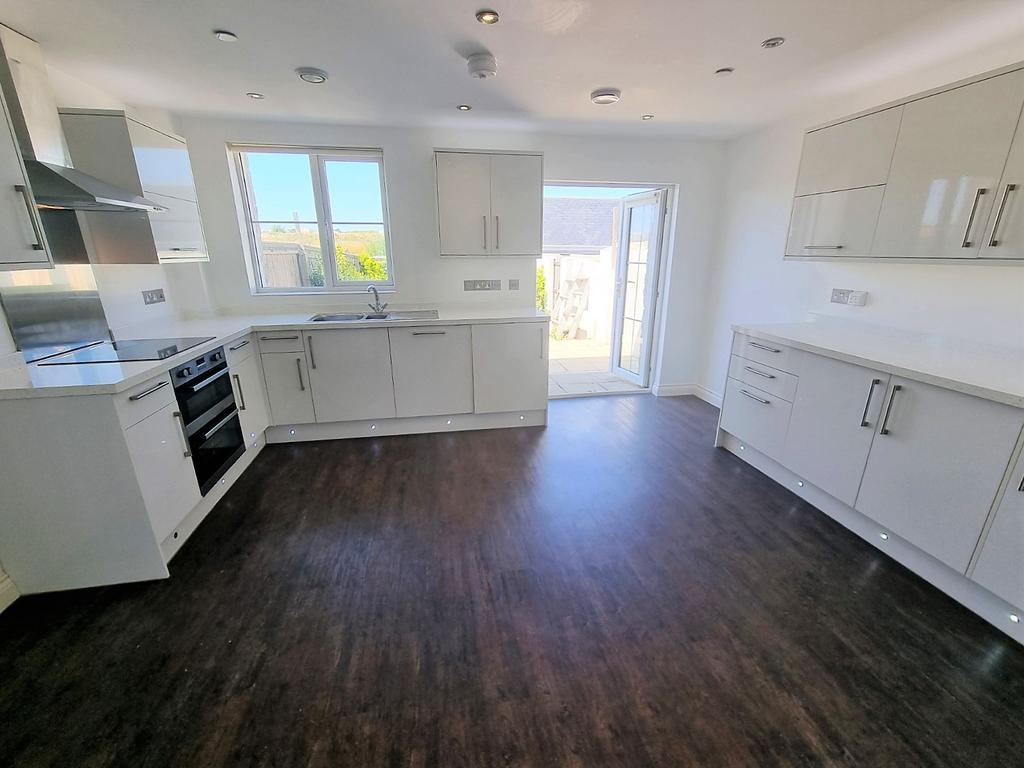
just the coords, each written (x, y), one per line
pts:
(357, 317)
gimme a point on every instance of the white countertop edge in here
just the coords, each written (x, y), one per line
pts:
(966, 387)
(224, 329)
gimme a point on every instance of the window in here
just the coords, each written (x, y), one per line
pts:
(301, 203)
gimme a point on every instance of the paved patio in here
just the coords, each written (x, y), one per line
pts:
(582, 367)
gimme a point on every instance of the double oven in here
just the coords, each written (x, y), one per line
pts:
(206, 401)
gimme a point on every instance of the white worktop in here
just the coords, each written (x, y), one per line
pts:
(988, 371)
(19, 379)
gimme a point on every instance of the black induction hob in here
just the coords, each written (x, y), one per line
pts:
(127, 351)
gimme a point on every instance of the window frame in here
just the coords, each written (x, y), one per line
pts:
(318, 158)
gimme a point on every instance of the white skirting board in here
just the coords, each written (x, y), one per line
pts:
(697, 390)
(8, 592)
(412, 425)
(976, 598)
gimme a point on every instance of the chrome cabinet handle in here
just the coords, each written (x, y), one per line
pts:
(970, 219)
(209, 381)
(238, 346)
(298, 367)
(755, 397)
(485, 231)
(892, 399)
(241, 394)
(150, 391)
(765, 347)
(823, 247)
(312, 358)
(278, 338)
(867, 404)
(497, 233)
(1021, 486)
(999, 215)
(429, 333)
(758, 373)
(184, 435)
(30, 207)
(542, 335)
(220, 424)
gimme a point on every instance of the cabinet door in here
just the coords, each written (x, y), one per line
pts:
(1000, 567)
(517, 201)
(464, 203)
(350, 373)
(510, 367)
(288, 392)
(165, 474)
(834, 417)
(853, 154)
(250, 397)
(834, 223)
(935, 466)
(162, 162)
(22, 242)
(1004, 235)
(177, 230)
(949, 156)
(433, 370)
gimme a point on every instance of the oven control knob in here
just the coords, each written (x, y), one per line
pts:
(185, 372)
(217, 356)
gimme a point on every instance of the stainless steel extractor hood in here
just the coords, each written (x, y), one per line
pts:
(55, 183)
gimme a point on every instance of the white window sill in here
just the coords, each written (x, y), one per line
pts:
(332, 292)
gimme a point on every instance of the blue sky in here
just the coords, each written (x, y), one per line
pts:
(283, 186)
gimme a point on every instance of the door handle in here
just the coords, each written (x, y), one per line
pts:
(220, 424)
(209, 381)
(999, 215)
(823, 247)
(755, 397)
(765, 347)
(970, 219)
(241, 394)
(485, 231)
(150, 391)
(298, 367)
(184, 435)
(312, 357)
(892, 398)
(278, 338)
(429, 333)
(497, 233)
(238, 346)
(32, 216)
(867, 404)
(758, 373)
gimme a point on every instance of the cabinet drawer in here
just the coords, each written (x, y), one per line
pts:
(239, 349)
(280, 341)
(756, 417)
(763, 377)
(770, 353)
(140, 401)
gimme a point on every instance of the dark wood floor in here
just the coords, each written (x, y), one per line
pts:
(609, 591)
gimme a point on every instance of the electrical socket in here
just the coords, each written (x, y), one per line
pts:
(154, 296)
(481, 285)
(849, 296)
(513, 284)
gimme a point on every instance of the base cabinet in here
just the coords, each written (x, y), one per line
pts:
(288, 392)
(1000, 566)
(935, 466)
(350, 374)
(510, 367)
(250, 397)
(433, 370)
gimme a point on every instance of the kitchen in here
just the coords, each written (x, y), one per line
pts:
(348, 468)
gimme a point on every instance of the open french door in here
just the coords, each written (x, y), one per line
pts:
(636, 284)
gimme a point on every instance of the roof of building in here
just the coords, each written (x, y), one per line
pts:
(572, 221)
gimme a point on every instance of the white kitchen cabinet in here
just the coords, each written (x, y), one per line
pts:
(1004, 233)
(510, 367)
(177, 230)
(950, 154)
(250, 397)
(756, 417)
(935, 465)
(22, 239)
(1000, 566)
(851, 154)
(489, 204)
(350, 374)
(834, 223)
(517, 203)
(167, 479)
(834, 417)
(288, 390)
(433, 370)
(162, 162)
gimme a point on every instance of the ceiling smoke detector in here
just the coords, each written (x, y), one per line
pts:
(773, 42)
(606, 95)
(311, 75)
(482, 66)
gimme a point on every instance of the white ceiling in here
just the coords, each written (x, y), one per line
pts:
(400, 62)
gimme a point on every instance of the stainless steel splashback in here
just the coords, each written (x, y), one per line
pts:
(53, 310)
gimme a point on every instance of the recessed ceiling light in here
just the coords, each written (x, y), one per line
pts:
(606, 95)
(1015, 618)
(773, 42)
(646, 117)
(464, 107)
(254, 95)
(487, 16)
(224, 36)
(724, 71)
(311, 75)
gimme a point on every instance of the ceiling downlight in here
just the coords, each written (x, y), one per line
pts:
(255, 95)
(464, 107)
(311, 75)
(604, 96)
(224, 36)
(773, 42)
(487, 16)
(724, 71)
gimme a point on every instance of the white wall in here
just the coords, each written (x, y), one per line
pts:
(422, 277)
(750, 282)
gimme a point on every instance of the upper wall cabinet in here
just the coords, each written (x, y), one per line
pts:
(114, 147)
(931, 178)
(949, 157)
(489, 204)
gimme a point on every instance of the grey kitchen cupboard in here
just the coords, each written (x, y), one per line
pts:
(433, 370)
(510, 367)
(250, 396)
(350, 374)
(288, 390)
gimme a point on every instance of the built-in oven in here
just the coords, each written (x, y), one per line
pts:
(206, 401)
